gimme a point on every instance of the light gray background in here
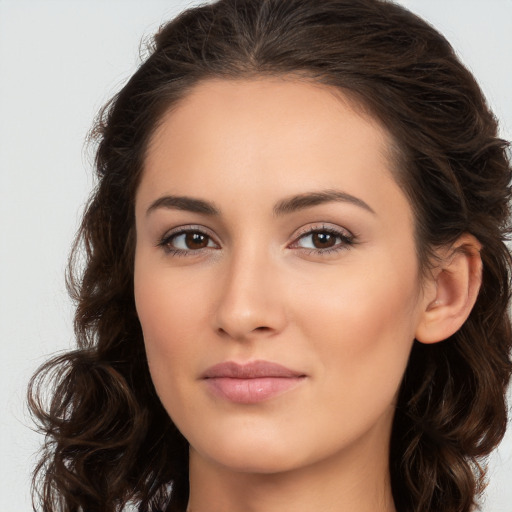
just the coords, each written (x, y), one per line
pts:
(60, 60)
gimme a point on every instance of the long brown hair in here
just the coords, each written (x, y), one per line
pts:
(109, 441)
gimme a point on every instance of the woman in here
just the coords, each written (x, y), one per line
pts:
(295, 290)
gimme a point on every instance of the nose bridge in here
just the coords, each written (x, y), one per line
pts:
(249, 299)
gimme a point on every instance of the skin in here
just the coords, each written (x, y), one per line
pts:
(259, 288)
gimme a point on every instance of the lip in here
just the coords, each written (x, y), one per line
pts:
(252, 382)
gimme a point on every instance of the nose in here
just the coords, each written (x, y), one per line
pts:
(251, 303)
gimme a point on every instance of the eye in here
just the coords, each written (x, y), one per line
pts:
(187, 241)
(318, 240)
(323, 239)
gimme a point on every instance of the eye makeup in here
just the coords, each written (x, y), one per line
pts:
(314, 239)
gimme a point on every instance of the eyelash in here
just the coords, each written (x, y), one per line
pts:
(346, 238)
(166, 240)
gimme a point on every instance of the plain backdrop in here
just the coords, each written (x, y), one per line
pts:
(60, 60)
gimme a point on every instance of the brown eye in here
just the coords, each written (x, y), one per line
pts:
(323, 240)
(328, 240)
(196, 240)
(187, 241)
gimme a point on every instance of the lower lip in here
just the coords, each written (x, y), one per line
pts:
(251, 391)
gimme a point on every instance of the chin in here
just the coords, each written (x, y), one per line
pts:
(250, 454)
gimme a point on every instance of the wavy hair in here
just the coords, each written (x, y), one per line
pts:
(109, 441)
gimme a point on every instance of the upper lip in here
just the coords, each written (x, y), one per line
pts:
(251, 370)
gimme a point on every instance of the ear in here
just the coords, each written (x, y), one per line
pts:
(451, 291)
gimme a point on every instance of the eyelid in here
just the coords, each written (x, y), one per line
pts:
(322, 226)
(164, 240)
(346, 236)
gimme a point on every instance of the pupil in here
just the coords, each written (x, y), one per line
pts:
(196, 240)
(323, 240)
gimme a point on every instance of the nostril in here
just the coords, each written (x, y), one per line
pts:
(262, 329)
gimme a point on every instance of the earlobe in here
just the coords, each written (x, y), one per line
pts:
(455, 284)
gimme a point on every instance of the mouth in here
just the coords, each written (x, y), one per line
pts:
(252, 382)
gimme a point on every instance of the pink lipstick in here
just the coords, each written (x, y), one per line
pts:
(252, 382)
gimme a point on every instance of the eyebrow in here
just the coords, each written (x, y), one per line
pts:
(284, 207)
(189, 204)
(308, 199)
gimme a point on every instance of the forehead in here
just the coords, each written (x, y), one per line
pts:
(272, 137)
(251, 117)
(280, 100)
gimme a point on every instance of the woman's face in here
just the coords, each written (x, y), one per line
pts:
(276, 277)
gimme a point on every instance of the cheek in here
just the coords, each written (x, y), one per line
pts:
(363, 327)
(168, 312)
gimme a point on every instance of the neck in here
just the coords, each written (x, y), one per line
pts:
(352, 481)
